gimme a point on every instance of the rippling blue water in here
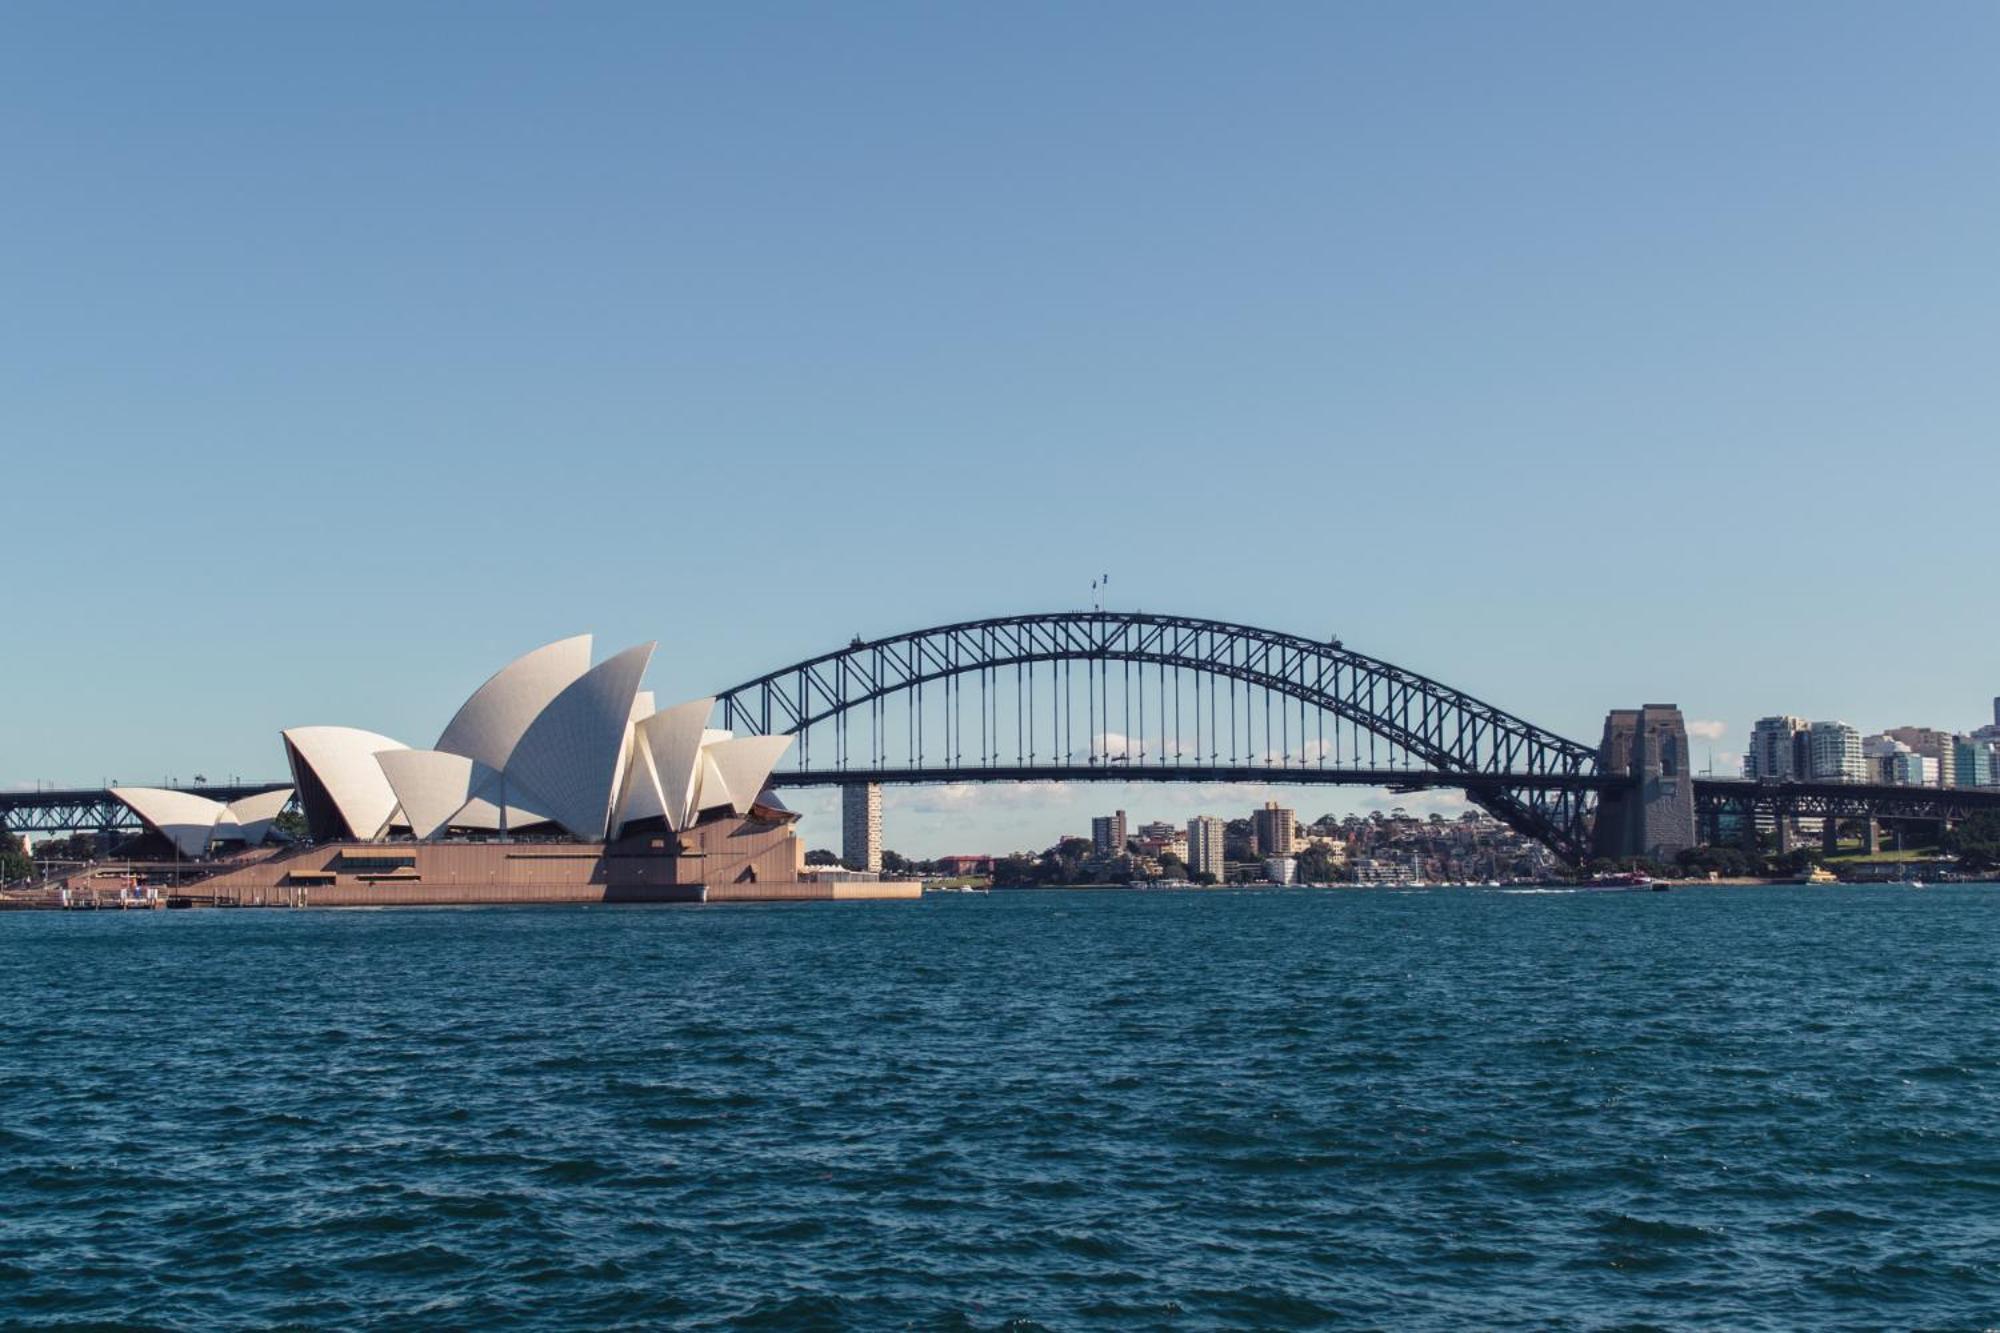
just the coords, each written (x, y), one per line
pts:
(1740, 1108)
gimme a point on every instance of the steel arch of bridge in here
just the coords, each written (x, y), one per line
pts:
(1456, 739)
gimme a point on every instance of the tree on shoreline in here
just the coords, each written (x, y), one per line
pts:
(1977, 841)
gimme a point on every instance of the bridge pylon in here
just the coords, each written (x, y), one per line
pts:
(1654, 817)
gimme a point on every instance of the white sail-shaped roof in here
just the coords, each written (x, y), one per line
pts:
(711, 792)
(342, 760)
(642, 706)
(483, 810)
(673, 737)
(253, 816)
(431, 786)
(744, 765)
(491, 723)
(639, 795)
(184, 819)
(567, 759)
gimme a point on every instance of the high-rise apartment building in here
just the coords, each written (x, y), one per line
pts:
(1933, 745)
(861, 825)
(1780, 749)
(1276, 829)
(1834, 753)
(1889, 760)
(1107, 834)
(1204, 840)
(1906, 768)
(1972, 762)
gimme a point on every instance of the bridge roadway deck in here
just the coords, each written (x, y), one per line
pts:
(1268, 774)
(1842, 799)
(82, 808)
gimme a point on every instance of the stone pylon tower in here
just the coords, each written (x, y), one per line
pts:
(861, 825)
(1654, 817)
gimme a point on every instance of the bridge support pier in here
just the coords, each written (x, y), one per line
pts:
(1872, 835)
(1786, 830)
(1654, 817)
(1829, 835)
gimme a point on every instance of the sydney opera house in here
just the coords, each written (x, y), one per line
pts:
(557, 781)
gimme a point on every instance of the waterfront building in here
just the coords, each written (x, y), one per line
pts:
(1387, 869)
(861, 826)
(1934, 745)
(1107, 834)
(1907, 769)
(1972, 762)
(1275, 830)
(1281, 869)
(1204, 846)
(1881, 745)
(1780, 749)
(1890, 761)
(1834, 753)
(1336, 847)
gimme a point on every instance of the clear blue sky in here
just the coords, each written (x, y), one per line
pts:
(1579, 355)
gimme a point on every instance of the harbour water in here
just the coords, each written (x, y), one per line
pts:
(1725, 1108)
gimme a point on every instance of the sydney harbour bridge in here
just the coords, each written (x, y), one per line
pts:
(1127, 696)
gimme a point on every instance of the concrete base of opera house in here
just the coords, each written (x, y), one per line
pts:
(732, 859)
(469, 895)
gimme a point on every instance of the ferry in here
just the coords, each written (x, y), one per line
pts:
(1628, 880)
(1820, 875)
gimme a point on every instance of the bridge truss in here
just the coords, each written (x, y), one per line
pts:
(1127, 696)
(1750, 800)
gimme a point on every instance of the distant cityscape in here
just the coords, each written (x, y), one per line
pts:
(1269, 845)
(1787, 748)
